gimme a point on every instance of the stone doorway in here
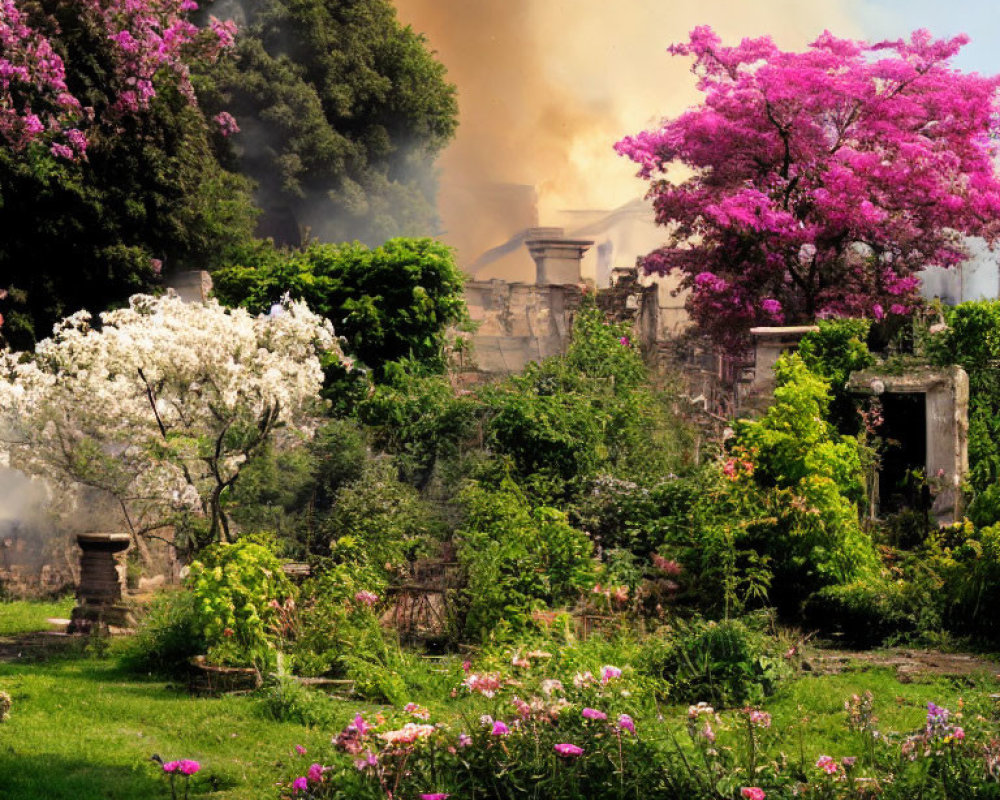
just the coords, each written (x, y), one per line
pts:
(936, 401)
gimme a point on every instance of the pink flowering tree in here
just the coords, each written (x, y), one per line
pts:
(817, 184)
(153, 42)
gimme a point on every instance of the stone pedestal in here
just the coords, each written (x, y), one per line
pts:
(557, 259)
(100, 591)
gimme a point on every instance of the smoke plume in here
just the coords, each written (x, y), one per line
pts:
(547, 86)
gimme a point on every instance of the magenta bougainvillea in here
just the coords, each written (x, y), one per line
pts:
(818, 183)
(153, 41)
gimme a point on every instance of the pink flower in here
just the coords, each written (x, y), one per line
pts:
(408, 734)
(609, 673)
(568, 750)
(760, 718)
(300, 784)
(366, 598)
(171, 766)
(315, 773)
(227, 123)
(752, 793)
(958, 733)
(301, 750)
(828, 765)
(593, 713)
(435, 796)
(500, 728)
(486, 684)
(418, 711)
(464, 740)
(624, 341)
(188, 767)
(667, 565)
(369, 759)
(626, 724)
(583, 679)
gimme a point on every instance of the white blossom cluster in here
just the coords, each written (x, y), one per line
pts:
(162, 402)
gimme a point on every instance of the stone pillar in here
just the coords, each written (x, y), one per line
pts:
(100, 591)
(557, 259)
(192, 286)
(769, 344)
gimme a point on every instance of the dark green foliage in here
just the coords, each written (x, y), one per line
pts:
(420, 420)
(83, 235)
(516, 557)
(593, 410)
(342, 112)
(834, 352)
(290, 490)
(863, 613)
(972, 340)
(390, 303)
(378, 521)
(168, 635)
(726, 663)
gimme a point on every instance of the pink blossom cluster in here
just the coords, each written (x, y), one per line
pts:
(487, 684)
(153, 41)
(821, 181)
(183, 767)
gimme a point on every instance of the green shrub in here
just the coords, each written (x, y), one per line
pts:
(420, 420)
(833, 352)
(284, 699)
(863, 613)
(391, 303)
(812, 483)
(972, 340)
(331, 623)
(169, 632)
(378, 520)
(515, 557)
(238, 591)
(595, 409)
(967, 562)
(723, 663)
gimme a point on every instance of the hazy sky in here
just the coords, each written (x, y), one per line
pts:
(978, 18)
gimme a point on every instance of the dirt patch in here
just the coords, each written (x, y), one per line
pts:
(909, 664)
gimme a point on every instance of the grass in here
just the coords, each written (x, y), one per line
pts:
(81, 728)
(27, 616)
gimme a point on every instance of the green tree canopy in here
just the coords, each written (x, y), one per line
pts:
(390, 303)
(341, 111)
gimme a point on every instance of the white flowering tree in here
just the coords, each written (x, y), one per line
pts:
(162, 403)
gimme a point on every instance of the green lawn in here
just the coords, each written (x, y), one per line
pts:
(82, 729)
(27, 616)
